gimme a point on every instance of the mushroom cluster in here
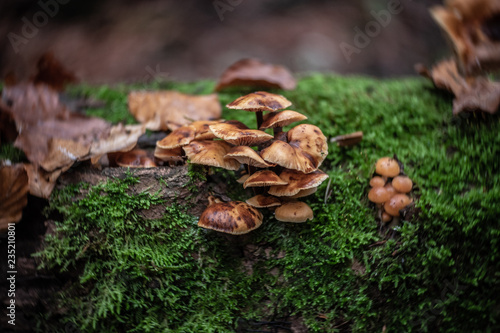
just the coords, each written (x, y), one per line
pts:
(280, 167)
(390, 189)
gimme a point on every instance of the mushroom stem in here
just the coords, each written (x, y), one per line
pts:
(260, 118)
(277, 130)
(251, 170)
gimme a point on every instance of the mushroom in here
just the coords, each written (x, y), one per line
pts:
(178, 138)
(136, 158)
(387, 167)
(236, 136)
(396, 203)
(202, 129)
(305, 151)
(243, 178)
(260, 101)
(304, 193)
(379, 195)
(264, 178)
(377, 181)
(263, 201)
(402, 184)
(234, 217)
(169, 155)
(297, 181)
(246, 155)
(211, 153)
(278, 120)
(294, 211)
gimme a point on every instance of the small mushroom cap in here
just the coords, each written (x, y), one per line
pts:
(202, 129)
(281, 119)
(377, 181)
(297, 181)
(211, 153)
(263, 178)
(178, 138)
(135, 159)
(390, 189)
(305, 151)
(386, 217)
(172, 155)
(378, 195)
(396, 203)
(233, 217)
(260, 101)
(387, 167)
(402, 184)
(294, 211)
(243, 178)
(246, 155)
(263, 201)
(304, 193)
(239, 137)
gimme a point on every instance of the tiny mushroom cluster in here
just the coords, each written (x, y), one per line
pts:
(280, 167)
(390, 189)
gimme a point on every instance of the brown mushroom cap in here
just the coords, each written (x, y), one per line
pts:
(246, 155)
(243, 178)
(136, 158)
(169, 155)
(378, 195)
(396, 203)
(211, 153)
(264, 178)
(178, 138)
(239, 137)
(260, 101)
(297, 181)
(281, 119)
(402, 184)
(294, 211)
(233, 217)
(304, 193)
(387, 167)
(377, 181)
(386, 217)
(202, 129)
(390, 189)
(305, 151)
(263, 201)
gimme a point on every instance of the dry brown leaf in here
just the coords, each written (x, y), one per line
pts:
(13, 194)
(169, 110)
(472, 27)
(471, 94)
(253, 72)
(41, 182)
(347, 140)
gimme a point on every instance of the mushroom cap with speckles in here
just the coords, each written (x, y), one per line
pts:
(240, 137)
(294, 211)
(233, 217)
(211, 153)
(263, 201)
(387, 167)
(305, 151)
(281, 119)
(378, 194)
(263, 178)
(202, 129)
(396, 203)
(246, 155)
(297, 181)
(178, 138)
(260, 101)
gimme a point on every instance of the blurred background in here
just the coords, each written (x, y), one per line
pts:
(108, 41)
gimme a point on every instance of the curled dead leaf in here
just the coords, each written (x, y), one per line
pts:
(41, 182)
(253, 72)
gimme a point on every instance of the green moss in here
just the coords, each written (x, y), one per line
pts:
(11, 153)
(440, 273)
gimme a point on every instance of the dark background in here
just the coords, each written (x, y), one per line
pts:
(111, 40)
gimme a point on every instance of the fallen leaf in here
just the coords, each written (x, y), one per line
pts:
(472, 27)
(471, 94)
(348, 139)
(13, 194)
(41, 182)
(169, 110)
(253, 72)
